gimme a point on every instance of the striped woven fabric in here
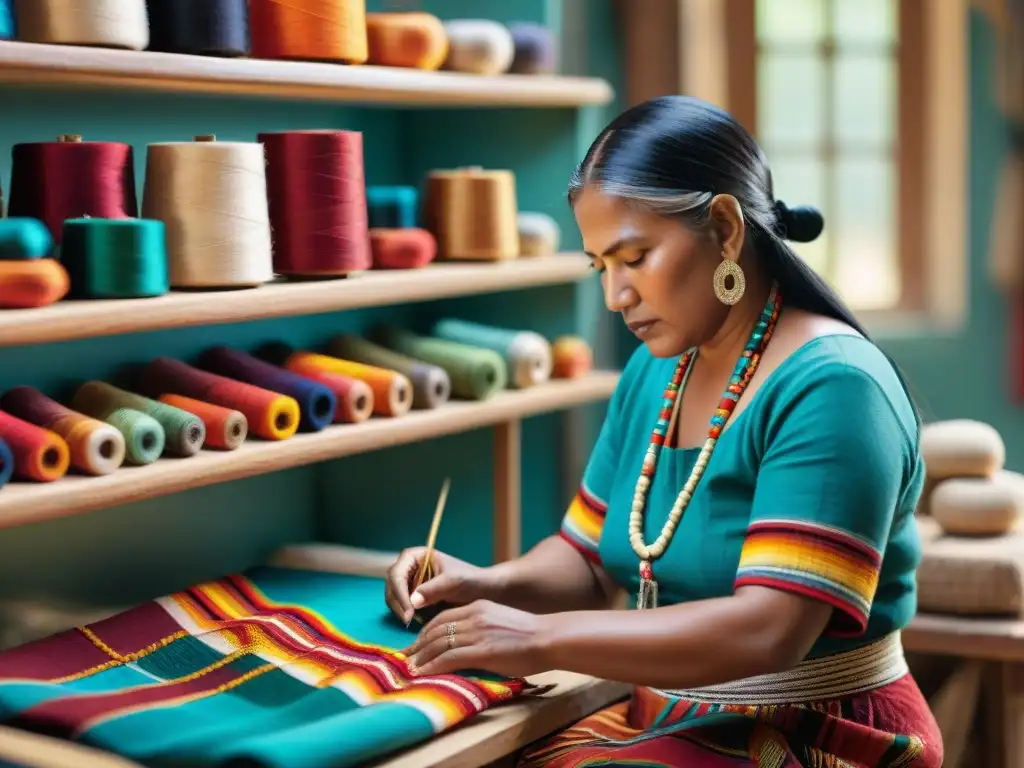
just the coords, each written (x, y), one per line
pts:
(276, 667)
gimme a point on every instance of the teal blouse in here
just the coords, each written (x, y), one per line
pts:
(811, 489)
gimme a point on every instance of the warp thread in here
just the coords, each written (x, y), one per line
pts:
(431, 385)
(7, 32)
(226, 429)
(476, 373)
(536, 52)
(310, 30)
(573, 357)
(32, 283)
(402, 248)
(316, 192)
(200, 27)
(527, 355)
(317, 403)
(69, 178)
(271, 415)
(39, 454)
(406, 39)
(393, 207)
(184, 433)
(212, 197)
(392, 392)
(24, 238)
(354, 397)
(101, 23)
(95, 448)
(144, 438)
(472, 213)
(115, 258)
(6, 463)
(479, 46)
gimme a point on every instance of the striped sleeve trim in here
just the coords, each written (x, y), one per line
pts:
(583, 522)
(818, 561)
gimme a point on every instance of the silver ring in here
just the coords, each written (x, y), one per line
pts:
(449, 631)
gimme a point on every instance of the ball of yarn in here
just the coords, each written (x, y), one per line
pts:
(573, 357)
(37, 283)
(7, 31)
(102, 23)
(977, 506)
(411, 39)
(536, 51)
(961, 448)
(539, 234)
(478, 46)
(402, 248)
(24, 238)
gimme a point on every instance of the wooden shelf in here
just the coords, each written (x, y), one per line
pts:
(24, 503)
(67, 320)
(36, 64)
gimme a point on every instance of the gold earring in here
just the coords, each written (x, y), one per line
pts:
(729, 269)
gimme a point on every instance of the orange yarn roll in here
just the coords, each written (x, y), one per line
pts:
(39, 454)
(225, 428)
(392, 392)
(28, 283)
(414, 39)
(409, 248)
(572, 358)
(318, 30)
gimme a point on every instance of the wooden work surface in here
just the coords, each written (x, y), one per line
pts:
(966, 637)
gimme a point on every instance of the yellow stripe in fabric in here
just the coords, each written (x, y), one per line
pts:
(116, 658)
(803, 555)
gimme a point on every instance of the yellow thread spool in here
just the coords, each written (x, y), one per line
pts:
(473, 214)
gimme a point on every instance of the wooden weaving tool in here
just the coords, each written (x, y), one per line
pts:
(426, 569)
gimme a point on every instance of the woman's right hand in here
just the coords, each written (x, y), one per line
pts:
(453, 581)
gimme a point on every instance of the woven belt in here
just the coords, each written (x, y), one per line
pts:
(826, 678)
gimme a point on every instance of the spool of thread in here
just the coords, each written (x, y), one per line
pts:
(115, 258)
(317, 200)
(392, 392)
(101, 23)
(475, 373)
(402, 248)
(212, 197)
(201, 27)
(226, 429)
(271, 415)
(536, 52)
(6, 463)
(392, 207)
(39, 454)
(24, 239)
(69, 178)
(478, 46)
(539, 234)
(354, 397)
(95, 448)
(527, 355)
(410, 39)
(184, 433)
(317, 403)
(472, 213)
(311, 30)
(7, 32)
(27, 284)
(143, 436)
(431, 385)
(572, 356)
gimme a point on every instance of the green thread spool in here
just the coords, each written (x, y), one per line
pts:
(431, 384)
(184, 432)
(24, 238)
(115, 258)
(143, 436)
(476, 373)
(527, 354)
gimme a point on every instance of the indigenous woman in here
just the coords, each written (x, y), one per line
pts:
(752, 489)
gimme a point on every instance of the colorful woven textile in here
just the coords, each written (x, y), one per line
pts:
(251, 669)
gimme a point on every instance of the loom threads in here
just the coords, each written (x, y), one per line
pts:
(6, 463)
(472, 213)
(317, 402)
(536, 52)
(392, 392)
(23, 238)
(102, 23)
(201, 27)
(392, 207)
(271, 416)
(572, 357)
(95, 448)
(478, 46)
(316, 194)
(184, 433)
(312, 30)
(115, 258)
(402, 248)
(39, 454)
(7, 32)
(475, 373)
(527, 355)
(226, 429)
(539, 234)
(412, 39)
(69, 178)
(431, 385)
(212, 197)
(26, 284)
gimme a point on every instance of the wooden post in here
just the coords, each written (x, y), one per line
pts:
(508, 490)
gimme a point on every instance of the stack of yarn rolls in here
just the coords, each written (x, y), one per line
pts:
(175, 408)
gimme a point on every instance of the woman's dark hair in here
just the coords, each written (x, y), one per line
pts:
(673, 154)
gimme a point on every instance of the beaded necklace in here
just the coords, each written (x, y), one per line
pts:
(647, 597)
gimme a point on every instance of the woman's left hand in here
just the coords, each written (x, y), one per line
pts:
(482, 635)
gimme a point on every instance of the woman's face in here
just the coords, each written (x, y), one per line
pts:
(655, 272)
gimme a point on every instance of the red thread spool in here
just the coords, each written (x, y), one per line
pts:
(402, 248)
(39, 454)
(69, 179)
(316, 193)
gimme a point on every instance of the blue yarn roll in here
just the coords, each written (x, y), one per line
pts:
(316, 401)
(6, 463)
(392, 207)
(7, 29)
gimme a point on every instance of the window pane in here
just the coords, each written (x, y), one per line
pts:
(865, 21)
(801, 180)
(788, 21)
(864, 97)
(867, 268)
(790, 99)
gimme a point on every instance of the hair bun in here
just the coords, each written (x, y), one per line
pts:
(801, 224)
